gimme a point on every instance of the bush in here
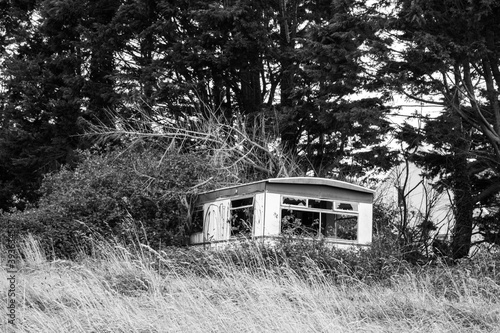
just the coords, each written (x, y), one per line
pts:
(306, 260)
(133, 196)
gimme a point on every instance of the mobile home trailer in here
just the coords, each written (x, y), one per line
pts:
(338, 212)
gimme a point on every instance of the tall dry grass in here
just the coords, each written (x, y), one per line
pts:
(141, 290)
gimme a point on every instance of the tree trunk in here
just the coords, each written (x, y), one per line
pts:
(464, 207)
(147, 47)
(464, 201)
(288, 28)
(101, 90)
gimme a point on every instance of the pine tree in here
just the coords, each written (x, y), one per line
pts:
(451, 57)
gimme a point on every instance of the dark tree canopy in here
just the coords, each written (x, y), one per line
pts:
(295, 66)
(448, 52)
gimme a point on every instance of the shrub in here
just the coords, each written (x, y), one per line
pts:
(306, 260)
(140, 195)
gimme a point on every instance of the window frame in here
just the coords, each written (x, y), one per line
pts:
(334, 203)
(243, 207)
(333, 211)
(354, 210)
(197, 210)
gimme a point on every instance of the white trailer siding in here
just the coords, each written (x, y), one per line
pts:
(338, 212)
(272, 223)
(259, 214)
(365, 224)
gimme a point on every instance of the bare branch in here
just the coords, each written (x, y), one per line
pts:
(231, 147)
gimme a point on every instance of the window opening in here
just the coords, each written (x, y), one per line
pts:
(350, 206)
(294, 201)
(309, 218)
(298, 222)
(339, 226)
(241, 217)
(197, 220)
(242, 202)
(320, 204)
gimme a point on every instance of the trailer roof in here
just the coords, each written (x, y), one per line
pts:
(303, 181)
(321, 181)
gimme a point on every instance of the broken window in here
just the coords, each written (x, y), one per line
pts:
(298, 222)
(307, 202)
(245, 202)
(351, 206)
(320, 204)
(241, 217)
(294, 201)
(339, 226)
(316, 217)
(197, 220)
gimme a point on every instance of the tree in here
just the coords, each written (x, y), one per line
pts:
(450, 57)
(328, 111)
(99, 44)
(289, 67)
(54, 74)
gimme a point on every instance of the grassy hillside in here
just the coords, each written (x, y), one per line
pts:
(120, 290)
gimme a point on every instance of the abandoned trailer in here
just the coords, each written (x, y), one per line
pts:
(338, 212)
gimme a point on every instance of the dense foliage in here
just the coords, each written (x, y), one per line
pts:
(136, 196)
(292, 69)
(451, 58)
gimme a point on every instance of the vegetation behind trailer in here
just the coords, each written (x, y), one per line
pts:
(338, 212)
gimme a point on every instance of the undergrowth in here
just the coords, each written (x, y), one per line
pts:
(252, 288)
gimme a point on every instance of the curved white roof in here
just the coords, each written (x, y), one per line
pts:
(304, 181)
(320, 181)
